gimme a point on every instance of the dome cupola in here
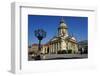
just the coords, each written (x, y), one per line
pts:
(62, 30)
(62, 24)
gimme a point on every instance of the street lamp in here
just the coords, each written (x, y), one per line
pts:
(40, 34)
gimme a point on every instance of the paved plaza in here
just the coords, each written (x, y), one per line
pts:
(61, 56)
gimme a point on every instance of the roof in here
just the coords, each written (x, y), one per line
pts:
(34, 44)
(70, 38)
(37, 44)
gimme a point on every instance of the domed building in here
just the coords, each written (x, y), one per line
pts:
(62, 43)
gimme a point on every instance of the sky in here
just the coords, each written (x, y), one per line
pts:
(77, 26)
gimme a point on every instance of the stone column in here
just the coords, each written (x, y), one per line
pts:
(56, 47)
(59, 46)
(51, 48)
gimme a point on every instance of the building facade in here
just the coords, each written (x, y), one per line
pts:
(62, 42)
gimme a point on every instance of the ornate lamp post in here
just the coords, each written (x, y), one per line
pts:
(40, 34)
